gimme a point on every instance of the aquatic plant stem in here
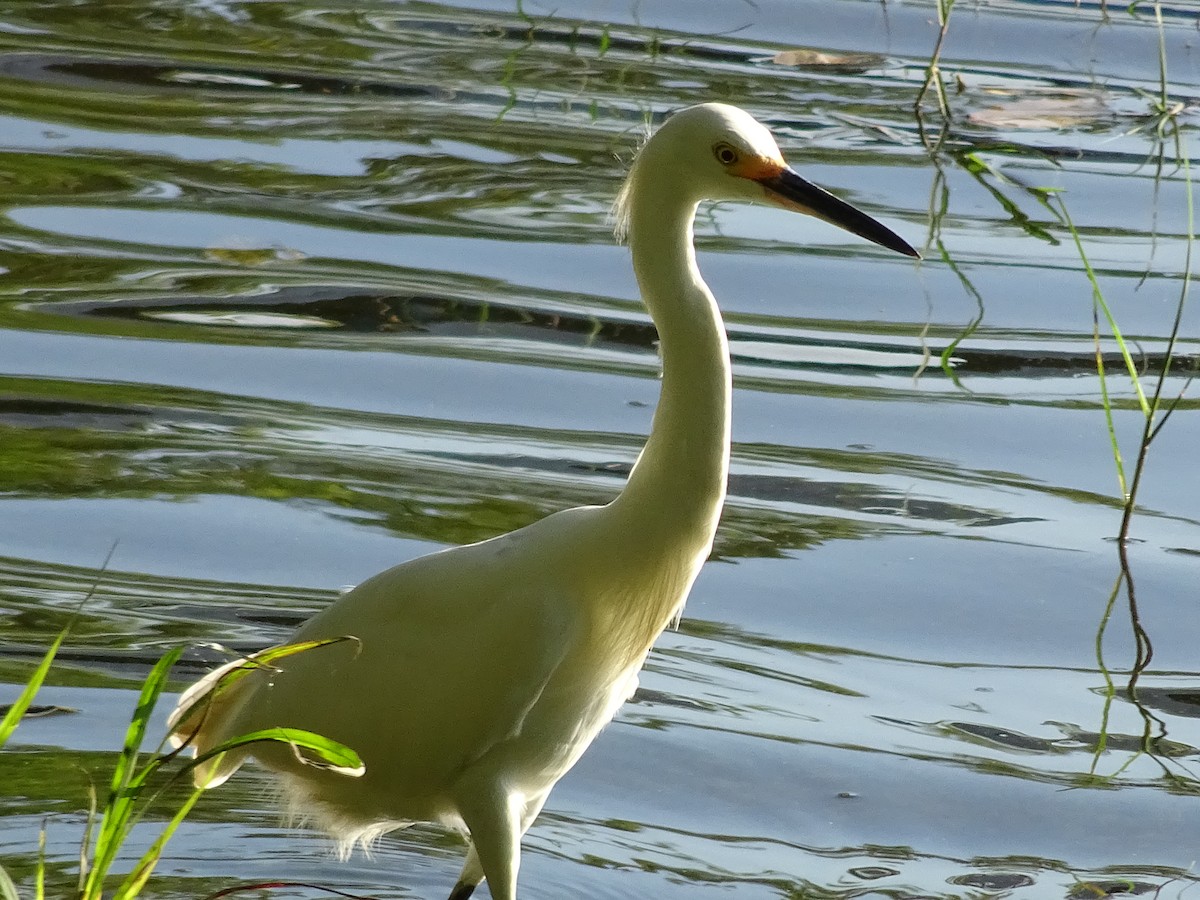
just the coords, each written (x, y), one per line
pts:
(1110, 687)
(1154, 727)
(1151, 428)
(1100, 305)
(271, 885)
(933, 72)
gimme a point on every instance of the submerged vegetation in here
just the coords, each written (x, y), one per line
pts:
(175, 445)
(1149, 389)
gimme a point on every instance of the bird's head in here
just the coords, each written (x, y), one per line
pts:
(719, 152)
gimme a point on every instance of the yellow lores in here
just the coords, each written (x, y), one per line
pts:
(482, 673)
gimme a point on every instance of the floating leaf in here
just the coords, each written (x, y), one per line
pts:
(241, 319)
(252, 256)
(1043, 113)
(808, 58)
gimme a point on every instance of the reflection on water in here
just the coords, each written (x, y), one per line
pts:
(290, 292)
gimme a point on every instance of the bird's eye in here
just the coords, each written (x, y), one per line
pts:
(725, 154)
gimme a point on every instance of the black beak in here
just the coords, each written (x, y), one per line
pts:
(793, 192)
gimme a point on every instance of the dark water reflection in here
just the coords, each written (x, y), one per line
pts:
(291, 291)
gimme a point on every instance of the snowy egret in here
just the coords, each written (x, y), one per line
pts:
(481, 673)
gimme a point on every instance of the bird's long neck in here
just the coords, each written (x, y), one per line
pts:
(677, 487)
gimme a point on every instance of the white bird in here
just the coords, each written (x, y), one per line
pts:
(481, 673)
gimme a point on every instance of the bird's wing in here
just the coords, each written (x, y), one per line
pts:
(450, 654)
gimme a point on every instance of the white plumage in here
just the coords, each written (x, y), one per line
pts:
(480, 674)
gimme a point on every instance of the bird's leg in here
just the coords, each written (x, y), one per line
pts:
(533, 806)
(469, 877)
(472, 871)
(493, 816)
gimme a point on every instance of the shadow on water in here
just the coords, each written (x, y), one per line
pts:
(290, 292)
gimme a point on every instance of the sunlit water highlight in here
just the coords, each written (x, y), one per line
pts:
(291, 291)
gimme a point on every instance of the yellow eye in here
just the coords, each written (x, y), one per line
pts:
(725, 154)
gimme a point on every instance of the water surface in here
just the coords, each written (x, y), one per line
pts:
(293, 291)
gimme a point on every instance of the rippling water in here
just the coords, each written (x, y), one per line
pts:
(292, 291)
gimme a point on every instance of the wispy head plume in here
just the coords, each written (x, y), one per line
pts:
(619, 214)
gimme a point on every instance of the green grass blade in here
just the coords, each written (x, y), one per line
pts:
(136, 880)
(1106, 401)
(85, 844)
(13, 717)
(268, 656)
(127, 781)
(264, 659)
(1102, 305)
(152, 688)
(326, 754)
(39, 882)
(1184, 290)
(310, 748)
(8, 890)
